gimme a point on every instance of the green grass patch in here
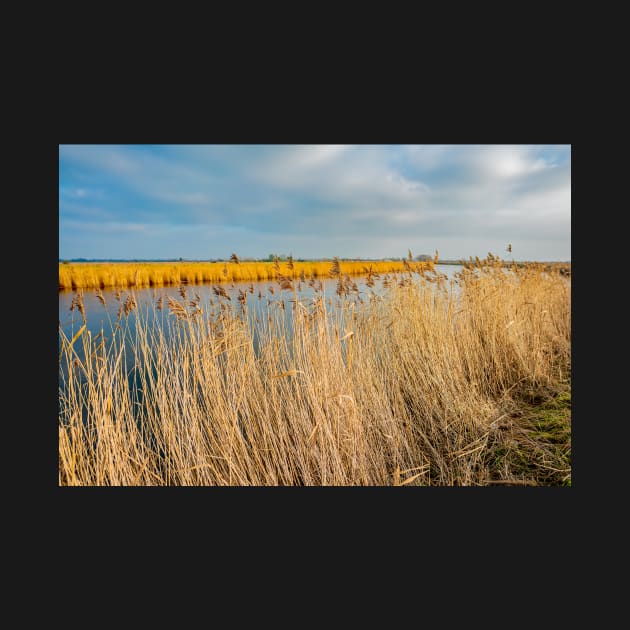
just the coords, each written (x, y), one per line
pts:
(536, 449)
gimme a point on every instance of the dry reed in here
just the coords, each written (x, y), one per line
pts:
(422, 387)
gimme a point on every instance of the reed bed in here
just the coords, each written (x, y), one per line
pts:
(429, 384)
(74, 276)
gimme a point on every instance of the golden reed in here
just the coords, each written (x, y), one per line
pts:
(73, 276)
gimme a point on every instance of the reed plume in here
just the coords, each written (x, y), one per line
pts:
(220, 292)
(335, 270)
(176, 308)
(101, 297)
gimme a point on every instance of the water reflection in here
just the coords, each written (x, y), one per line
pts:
(106, 309)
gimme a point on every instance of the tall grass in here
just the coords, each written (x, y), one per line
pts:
(73, 276)
(422, 386)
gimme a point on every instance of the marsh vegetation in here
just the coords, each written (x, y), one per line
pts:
(412, 379)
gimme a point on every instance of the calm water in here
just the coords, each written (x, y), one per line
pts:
(259, 296)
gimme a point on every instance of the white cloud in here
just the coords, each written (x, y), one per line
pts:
(403, 185)
(314, 156)
(510, 161)
(428, 157)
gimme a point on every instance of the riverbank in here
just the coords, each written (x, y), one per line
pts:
(74, 276)
(534, 447)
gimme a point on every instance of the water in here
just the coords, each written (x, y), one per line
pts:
(104, 317)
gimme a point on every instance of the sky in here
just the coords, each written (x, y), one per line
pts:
(203, 202)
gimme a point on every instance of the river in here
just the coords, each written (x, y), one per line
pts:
(102, 315)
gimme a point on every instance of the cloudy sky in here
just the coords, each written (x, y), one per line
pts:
(371, 201)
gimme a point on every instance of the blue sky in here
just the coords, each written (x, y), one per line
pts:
(371, 201)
